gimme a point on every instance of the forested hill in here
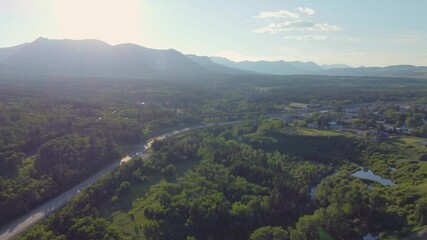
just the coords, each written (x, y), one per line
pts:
(94, 58)
(311, 68)
(251, 181)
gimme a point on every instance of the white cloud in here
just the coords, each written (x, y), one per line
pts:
(306, 10)
(284, 26)
(286, 13)
(279, 14)
(298, 25)
(325, 27)
(270, 28)
(307, 38)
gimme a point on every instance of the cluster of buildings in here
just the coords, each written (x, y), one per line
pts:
(345, 120)
(302, 114)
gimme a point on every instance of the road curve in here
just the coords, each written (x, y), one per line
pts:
(23, 223)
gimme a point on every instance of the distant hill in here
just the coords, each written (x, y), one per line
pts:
(93, 58)
(215, 68)
(275, 67)
(311, 68)
(331, 66)
(307, 66)
(7, 52)
(390, 71)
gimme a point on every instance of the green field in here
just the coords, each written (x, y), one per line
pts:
(127, 212)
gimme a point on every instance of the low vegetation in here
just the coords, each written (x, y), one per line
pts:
(248, 181)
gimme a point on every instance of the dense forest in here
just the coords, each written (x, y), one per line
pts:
(250, 181)
(247, 181)
(51, 138)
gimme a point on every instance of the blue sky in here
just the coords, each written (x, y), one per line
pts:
(354, 32)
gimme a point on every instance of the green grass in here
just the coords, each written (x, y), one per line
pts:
(121, 212)
(421, 188)
(127, 212)
(315, 145)
(410, 172)
(297, 105)
(411, 146)
(319, 132)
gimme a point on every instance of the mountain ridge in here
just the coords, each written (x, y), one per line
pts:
(95, 58)
(310, 68)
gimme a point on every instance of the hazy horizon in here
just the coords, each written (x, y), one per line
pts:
(354, 33)
(201, 119)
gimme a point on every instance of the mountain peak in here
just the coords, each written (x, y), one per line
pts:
(40, 39)
(95, 58)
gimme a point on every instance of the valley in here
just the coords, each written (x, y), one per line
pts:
(213, 120)
(260, 114)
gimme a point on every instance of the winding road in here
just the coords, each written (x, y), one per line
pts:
(23, 223)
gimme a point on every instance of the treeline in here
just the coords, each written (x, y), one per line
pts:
(413, 116)
(71, 158)
(81, 218)
(348, 207)
(329, 90)
(252, 182)
(238, 190)
(53, 136)
(234, 192)
(60, 164)
(48, 146)
(55, 133)
(77, 124)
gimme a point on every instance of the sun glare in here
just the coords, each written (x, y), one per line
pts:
(112, 21)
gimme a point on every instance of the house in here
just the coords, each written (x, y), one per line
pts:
(404, 109)
(301, 114)
(389, 129)
(335, 126)
(313, 125)
(351, 112)
(379, 116)
(350, 115)
(402, 129)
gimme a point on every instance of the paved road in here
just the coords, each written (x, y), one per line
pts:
(24, 222)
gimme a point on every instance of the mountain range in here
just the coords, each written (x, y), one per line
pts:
(94, 58)
(276, 67)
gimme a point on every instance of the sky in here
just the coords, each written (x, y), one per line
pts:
(352, 32)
